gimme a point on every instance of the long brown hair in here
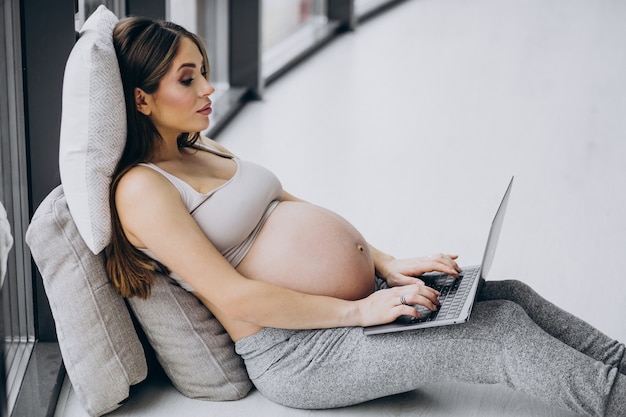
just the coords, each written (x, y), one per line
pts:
(145, 50)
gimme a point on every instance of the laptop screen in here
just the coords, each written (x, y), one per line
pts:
(494, 232)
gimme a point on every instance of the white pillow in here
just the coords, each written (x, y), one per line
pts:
(93, 128)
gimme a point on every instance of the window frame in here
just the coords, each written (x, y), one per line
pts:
(18, 315)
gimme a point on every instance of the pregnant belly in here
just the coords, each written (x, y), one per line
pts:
(312, 250)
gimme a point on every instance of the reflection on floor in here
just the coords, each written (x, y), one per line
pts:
(411, 127)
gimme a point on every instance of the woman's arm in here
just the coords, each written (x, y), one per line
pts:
(153, 216)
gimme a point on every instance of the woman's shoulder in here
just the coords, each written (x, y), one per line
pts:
(141, 182)
(139, 173)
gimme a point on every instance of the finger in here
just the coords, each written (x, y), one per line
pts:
(456, 266)
(408, 280)
(424, 296)
(398, 280)
(450, 269)
(445, 263)
(405, 310)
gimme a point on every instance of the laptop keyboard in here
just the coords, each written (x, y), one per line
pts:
(453, 295)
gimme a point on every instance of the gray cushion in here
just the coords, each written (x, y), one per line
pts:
(190, 344)
(100, 347)
(101, 351)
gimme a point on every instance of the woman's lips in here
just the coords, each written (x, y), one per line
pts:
(206, 110)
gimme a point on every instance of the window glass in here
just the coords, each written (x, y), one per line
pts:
(87, 7)
(288, 29)
(17, 294)
(209, 20)
(283, 18)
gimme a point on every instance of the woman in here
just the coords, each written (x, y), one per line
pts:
(292, 283)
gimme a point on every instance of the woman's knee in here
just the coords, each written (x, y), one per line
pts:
(519, 288)
(503, 309)
(504, 317)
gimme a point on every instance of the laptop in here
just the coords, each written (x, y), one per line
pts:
(457, 294)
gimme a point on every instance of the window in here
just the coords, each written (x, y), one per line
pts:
(209, 20)
(87, 7)
(17, 293)
(290, 28)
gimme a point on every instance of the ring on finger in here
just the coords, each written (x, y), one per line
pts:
(403, 300)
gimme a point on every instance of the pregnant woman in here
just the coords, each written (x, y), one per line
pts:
(292, 283)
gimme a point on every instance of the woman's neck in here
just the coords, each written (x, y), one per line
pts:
(167, 149)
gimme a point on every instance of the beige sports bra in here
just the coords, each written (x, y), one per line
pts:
(232, 215)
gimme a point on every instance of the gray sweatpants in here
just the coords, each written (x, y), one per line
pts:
(514, 337)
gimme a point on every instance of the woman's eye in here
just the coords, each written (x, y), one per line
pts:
(187, 81)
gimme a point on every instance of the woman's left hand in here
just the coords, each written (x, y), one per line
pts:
(399, 272)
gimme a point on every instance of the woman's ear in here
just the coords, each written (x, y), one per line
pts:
(141, 102)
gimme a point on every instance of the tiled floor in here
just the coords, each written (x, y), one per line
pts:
(411, 127)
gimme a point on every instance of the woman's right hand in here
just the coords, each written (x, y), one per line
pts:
(386, 305)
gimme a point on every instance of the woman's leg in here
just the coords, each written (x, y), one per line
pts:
(501, 344)
(558, 323)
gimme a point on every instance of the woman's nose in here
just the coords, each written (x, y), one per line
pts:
(208, 89)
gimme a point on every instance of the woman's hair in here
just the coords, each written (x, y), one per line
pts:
(145, 50)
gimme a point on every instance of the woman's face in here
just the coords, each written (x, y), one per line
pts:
(181, 102)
